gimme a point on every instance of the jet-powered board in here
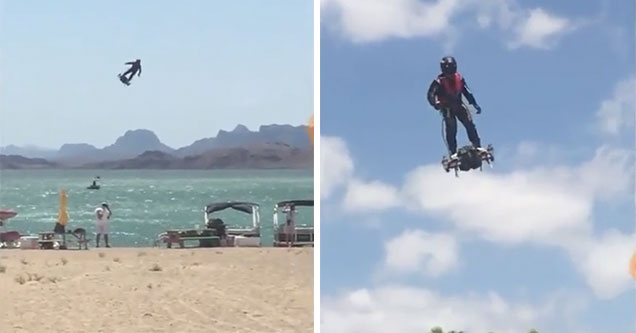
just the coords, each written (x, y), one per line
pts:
(468, 158)
(123, 79)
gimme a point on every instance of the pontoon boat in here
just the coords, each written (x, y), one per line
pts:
(290, 233)
(238, 234)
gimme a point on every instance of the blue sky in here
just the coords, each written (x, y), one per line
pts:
(207, 65)
(546, 235)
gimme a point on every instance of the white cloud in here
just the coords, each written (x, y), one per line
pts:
(364, 21)
(617, 112)
(509, 208)
(532, 154)
(369, 196)
(503, 13)
(373, 20)
(530, 151)
(605, 262)
(540, 29)
(407, 309)
(336, 170)
(484, 20)
(543, 205)
(607, 176)
(550, 206)
(535, 205)
(336, 165)
(416, 251)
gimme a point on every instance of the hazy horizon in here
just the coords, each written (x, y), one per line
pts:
(206, 66)
(45, 147)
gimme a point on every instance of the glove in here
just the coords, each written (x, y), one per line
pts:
(437, 105)
(478, 108)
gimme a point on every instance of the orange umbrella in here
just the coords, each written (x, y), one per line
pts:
(310, 129)
(63, 214)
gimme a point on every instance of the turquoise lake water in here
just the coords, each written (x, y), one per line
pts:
(147, 202)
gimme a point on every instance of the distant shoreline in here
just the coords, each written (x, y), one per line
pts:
(262, 156)
(157, 169)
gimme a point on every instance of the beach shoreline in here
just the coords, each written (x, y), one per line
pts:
(145, 289)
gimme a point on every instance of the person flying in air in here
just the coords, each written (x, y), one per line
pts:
(135, 68)
(445, 95)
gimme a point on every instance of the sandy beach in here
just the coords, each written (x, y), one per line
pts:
(157, 290)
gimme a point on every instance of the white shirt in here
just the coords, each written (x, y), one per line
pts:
(104, 212)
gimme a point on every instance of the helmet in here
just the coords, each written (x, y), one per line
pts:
(448, 65)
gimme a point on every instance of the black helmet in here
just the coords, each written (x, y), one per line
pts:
(448, 65)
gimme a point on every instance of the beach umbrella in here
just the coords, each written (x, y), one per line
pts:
(310, 129)
(63, 215)
(5, 215)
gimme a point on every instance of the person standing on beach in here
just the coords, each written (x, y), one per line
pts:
(102, 214)
(290, 225)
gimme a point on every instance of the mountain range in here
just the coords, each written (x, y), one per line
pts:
(272, 146)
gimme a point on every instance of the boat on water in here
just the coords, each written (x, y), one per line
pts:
(238, 234)
(94, 185)
(290, 233)
(217, 232)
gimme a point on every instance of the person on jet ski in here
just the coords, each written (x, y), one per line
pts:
(445, 94)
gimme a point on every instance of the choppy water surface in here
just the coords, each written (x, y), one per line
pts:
(147, 202)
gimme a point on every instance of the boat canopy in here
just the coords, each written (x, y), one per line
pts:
(245, 207)
(308, 203)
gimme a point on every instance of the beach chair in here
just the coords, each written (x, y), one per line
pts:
(78, 233)
(80, 236)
